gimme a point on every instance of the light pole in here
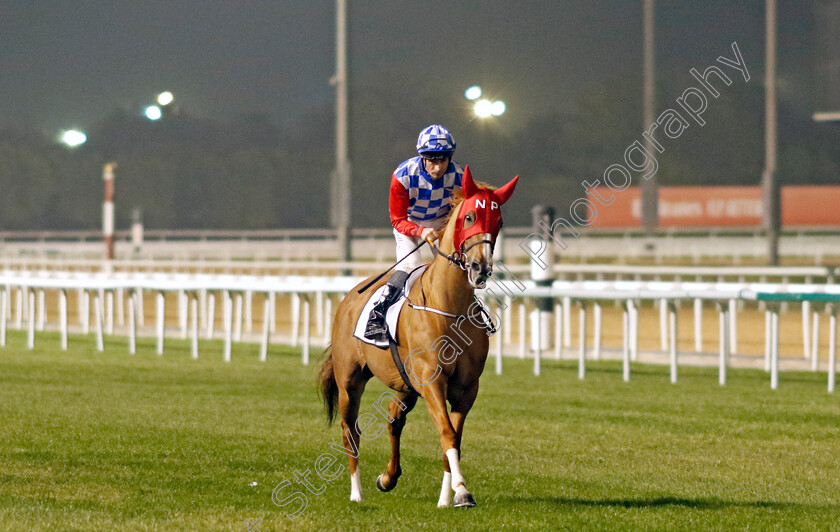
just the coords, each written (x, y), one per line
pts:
(340, 178)
(650, 192)
(769, 187)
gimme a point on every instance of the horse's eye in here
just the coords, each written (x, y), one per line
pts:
(469, 219)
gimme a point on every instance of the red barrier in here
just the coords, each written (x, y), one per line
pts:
(719, 206)
(811, 205)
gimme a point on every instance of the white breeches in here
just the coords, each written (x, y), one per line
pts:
(404, 246)
(407, 243)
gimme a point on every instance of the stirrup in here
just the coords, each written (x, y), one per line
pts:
(376, 330)
(377, 335)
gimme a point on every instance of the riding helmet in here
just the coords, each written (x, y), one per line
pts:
(437, 140)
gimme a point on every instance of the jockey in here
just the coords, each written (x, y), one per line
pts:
(421, 189)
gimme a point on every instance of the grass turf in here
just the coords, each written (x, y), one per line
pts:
(105, 441)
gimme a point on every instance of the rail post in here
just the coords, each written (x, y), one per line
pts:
(541, 274)
(108, 212)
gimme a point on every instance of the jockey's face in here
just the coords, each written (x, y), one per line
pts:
(436, 167)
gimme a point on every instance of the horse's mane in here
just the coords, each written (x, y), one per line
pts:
(458, 198)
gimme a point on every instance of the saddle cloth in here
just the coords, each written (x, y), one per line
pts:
(392, 315)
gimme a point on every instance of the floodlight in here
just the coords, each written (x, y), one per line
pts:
(473, 93)
(73, 138)
(165, 98)
(153, 112)
(497, 108)
(483, 108)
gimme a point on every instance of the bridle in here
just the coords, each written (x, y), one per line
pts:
(457, 258)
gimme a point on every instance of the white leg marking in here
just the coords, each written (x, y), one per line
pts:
(455, 467)
(445, 490)
(356, 486)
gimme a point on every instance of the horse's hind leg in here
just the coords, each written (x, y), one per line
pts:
(398, 409)
(349, 397)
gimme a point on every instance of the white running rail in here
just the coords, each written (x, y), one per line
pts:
(195, 294)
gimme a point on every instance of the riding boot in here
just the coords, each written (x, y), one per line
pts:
(376, 329)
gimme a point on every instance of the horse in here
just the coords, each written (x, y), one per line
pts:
(440, 368)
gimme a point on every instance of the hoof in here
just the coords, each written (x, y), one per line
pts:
(464, 501)
(381, 486)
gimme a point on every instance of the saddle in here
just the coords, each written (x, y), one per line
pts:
(392, 314)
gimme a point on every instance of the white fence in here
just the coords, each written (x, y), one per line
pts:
(686, 244)
(772, 274)
(22, 299)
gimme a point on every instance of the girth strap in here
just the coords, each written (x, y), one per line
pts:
(397, 362)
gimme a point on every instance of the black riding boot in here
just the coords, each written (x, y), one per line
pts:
(376, 329)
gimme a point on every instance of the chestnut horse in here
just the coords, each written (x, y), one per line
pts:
(441, 341)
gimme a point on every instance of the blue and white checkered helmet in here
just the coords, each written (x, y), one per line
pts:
(435, 139)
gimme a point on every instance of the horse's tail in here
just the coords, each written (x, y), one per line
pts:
(327, 387)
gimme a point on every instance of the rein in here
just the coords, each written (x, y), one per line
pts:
(456, 258)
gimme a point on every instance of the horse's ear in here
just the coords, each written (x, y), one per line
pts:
(504, 193)
(467, 183)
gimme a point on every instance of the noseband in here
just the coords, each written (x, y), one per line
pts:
(457, 258)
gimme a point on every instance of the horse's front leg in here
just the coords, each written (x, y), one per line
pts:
(445, 498)
(435, 395)
(461, 402)
(397, 412)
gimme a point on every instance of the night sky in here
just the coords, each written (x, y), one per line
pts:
(71, 63)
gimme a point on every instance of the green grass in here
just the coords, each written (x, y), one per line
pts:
(107, 441)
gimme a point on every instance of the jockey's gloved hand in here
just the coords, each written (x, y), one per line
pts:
(429, 234)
